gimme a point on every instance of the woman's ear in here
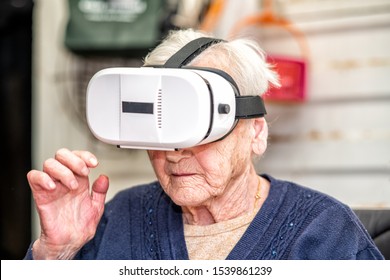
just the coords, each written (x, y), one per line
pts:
(259, 141)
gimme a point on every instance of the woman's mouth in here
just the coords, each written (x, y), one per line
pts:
(182, 174)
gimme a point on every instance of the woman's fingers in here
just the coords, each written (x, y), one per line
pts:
(60, 172)
(66, 167)
(99, 189)
(40, 180)
(77, 161)
(69, 212)
(89, 159)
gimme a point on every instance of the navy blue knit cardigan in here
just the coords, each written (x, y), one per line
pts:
(294, 222)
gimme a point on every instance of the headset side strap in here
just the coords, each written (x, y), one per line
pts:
(248, 107)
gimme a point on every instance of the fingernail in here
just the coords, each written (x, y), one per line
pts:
(93, 161)
(52, 185)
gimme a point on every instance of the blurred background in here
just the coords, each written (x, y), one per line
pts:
(329, 123)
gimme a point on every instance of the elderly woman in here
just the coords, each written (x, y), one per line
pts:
(208, 202)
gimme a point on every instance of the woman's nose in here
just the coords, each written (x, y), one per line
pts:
(177, 155)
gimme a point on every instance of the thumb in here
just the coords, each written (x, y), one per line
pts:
(99, 189)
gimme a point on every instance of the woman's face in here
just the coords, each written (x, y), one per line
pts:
(193, 176)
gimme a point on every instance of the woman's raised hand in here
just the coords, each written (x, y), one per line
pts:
(69, 210)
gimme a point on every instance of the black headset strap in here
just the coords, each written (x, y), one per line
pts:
(246, 106)
(190, 51)
(249, 107)
(221, 73)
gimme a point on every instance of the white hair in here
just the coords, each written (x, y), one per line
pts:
(242, 59)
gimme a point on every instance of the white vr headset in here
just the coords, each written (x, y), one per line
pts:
(167, 107)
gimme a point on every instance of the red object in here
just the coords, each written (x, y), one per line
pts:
(292, 73)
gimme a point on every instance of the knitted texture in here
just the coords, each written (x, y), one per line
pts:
(294, 222)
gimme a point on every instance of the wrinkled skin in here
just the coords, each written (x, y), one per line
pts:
(215, 181)
(69, 211)
(212, 182)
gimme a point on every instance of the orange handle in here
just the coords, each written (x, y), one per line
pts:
(212, 15)
(268, 17)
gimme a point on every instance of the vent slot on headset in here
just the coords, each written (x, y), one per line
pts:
(159, 108)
